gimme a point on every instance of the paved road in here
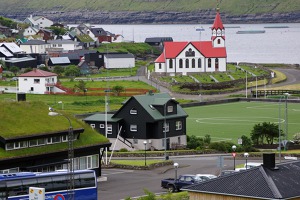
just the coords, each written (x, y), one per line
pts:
(124, 183)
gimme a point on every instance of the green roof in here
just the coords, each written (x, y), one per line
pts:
(158, 99)
(21, 119)
(101, 117)
(84, 38)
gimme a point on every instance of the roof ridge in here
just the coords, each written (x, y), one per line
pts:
(270, 183)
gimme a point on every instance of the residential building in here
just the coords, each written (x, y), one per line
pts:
(64, 45)
(46, 34)
(38, 21)
(12, 47)
(268, 181)
(30, 31)
(196, 56)
(32, 140)
(38, 82)
(158, 41)
(117, 61)
(155, 118)
(35, 46)
(61, 61)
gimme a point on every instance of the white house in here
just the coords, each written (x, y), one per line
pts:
(30, 31)
(12, 47)
(65, 45)
(35, 46)
(38, 21)
(38, 82)
(198, 56)
(114, 61)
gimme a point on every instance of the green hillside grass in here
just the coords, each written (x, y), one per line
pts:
(230, 6)
(232, 120)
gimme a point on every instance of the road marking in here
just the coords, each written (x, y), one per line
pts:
(116, 171)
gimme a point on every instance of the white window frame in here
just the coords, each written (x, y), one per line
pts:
(133, 128)
(133, 111)
(93, 126)
(109, 129)
(167, 127)
(178, 125)
(170, 109)
(64, 138)
(101, 126)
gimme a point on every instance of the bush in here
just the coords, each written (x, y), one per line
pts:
(123, 150)
(296, 138)
(221, 146)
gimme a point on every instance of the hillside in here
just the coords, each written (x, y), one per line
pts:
(154, 11)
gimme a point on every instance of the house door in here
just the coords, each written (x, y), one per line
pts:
(168, 143)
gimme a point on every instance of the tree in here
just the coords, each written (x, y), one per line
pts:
(59, 70)
(264, 132)
(118, 89)
(193, 142)
(81, 86)
(72, 70)
(296, 138)
(14, 69)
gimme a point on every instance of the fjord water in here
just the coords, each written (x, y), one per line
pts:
(276, 45)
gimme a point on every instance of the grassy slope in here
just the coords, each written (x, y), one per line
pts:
(231, 6)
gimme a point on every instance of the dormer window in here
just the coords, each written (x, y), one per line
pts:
(170, 109)
(133, 111)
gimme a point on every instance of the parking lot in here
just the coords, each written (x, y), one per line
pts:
(131, 183)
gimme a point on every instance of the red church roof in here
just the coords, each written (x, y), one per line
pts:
(37, 73)
(218, 22)
(173, 49)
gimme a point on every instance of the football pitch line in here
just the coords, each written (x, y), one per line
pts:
(217, 139)
(234, 120)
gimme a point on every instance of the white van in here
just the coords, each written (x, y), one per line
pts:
(252, 164)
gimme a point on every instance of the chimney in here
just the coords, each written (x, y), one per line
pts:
(269, 161)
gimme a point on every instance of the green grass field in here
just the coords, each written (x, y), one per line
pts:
(232, 120)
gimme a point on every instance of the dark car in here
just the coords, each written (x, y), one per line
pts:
(175, 185)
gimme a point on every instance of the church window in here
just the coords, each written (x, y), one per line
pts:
(170, 63)
(159, 65)
(190, 53)
(199, 63)
(193, 63)
(187, 63)
(219, 41)
(209, 63)
(180, 63)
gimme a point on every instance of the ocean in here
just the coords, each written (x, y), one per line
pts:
(280, 43)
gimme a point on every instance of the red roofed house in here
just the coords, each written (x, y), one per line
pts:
(38, 82)
(198, 56)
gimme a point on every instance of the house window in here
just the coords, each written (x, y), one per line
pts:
(41, 141)
(187, 63)
(109, 129)
(101, 126)
(209, 63)
(180, 63)
(93, 126)
(60, 45)
(178, 125)
(199, 63)
(170, 63)
(170, 109)
(135, 141)
(219, 41)
(32, 143)
(159, 66)
(133, 127)
(31, 89)
(64, 138)
(193, 63)
(10, 146)
(167, 127)
(36, 81)
(25, 79)
(133, 111)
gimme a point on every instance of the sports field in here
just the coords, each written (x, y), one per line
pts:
(232, 120)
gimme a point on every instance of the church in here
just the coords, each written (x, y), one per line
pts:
(183, 58)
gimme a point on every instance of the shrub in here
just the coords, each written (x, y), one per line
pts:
(296, 138)
(123, 150)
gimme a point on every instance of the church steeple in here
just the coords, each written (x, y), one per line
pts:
(218, 31)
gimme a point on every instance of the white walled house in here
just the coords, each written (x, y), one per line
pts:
(38, 21)
(115, 61)
(66, 45)
(198, 56)
(38, 82)
(35, 46)
(30, 31)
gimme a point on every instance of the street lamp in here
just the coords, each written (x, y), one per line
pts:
(145, 144)
(233, 154)
(70, 154)
(286, 95)
(165, 130)
(176, 167)
(246, 155)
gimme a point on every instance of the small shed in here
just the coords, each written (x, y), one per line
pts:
(62, 61)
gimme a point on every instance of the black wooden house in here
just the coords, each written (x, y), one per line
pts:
(141, 119)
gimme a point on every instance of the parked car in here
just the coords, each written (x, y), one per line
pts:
(252, 164)
(206, 177)
(175, 185)
(225, 172)
(14, 79)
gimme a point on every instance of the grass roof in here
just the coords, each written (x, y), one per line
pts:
(31, 118)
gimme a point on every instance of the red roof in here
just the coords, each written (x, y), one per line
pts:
(37, 73)
(218, 22)
(173, 49)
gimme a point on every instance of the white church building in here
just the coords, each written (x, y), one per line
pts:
(193, 57)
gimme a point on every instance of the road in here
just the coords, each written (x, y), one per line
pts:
(131, 183)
